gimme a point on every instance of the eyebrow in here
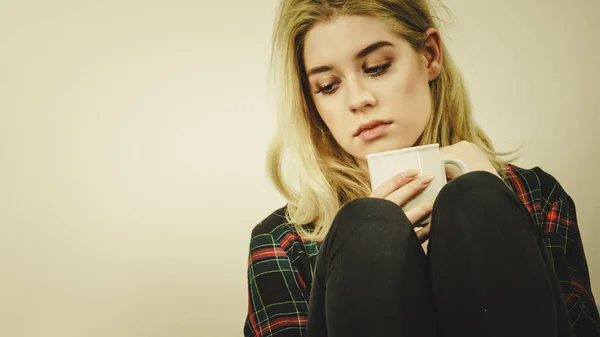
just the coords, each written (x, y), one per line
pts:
(366, 51)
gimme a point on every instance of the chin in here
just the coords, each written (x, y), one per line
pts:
(383, 145)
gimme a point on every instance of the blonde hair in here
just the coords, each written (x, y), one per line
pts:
(306, 164)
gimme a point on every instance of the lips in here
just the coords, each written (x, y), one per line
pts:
(370, 125)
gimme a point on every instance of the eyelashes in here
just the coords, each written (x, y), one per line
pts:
(373, 72)
(378, 70)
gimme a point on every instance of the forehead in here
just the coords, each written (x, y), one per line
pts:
(341, 38)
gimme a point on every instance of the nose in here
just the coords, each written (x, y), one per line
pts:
(359, 98)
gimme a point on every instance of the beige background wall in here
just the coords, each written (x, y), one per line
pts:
(132, 136)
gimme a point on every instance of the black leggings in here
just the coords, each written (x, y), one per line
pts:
(486, 274)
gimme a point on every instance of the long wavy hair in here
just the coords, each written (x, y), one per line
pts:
(313, 173)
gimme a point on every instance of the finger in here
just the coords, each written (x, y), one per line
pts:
(423, 233)
(419, 212)
(425, 245)
(394, 183)
(401, 195)
(452, 171)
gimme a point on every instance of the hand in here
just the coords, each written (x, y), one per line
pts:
(469, 154)
(402, 188)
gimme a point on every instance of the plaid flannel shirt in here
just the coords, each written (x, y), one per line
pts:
(281, 264)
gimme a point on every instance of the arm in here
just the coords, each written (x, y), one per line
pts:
(277, 301)
(571, 265)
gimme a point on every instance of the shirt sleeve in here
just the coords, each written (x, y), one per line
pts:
(571, 266)
(277, 301)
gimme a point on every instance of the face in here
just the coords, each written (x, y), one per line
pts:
(368, 85)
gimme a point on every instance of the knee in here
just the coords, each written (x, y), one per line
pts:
(369, 217)
(368, 208)
(462, 204)
(474, 207)
(471, 190)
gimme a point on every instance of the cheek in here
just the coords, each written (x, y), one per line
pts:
(328, 114)
(335, 123)
(414, 98)
(412, 82)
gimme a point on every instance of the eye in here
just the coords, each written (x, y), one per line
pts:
(328, 89)
(378, 70)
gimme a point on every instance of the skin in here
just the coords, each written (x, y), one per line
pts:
(390, 83)
(359, 71)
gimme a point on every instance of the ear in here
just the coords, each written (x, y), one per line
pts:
(433, 53)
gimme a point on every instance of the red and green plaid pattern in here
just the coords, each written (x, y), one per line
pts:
(281, 264)
(279, 273)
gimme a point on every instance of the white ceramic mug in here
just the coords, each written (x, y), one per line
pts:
(426, 159)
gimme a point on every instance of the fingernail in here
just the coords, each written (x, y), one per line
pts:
(410, 173)
(426, 179)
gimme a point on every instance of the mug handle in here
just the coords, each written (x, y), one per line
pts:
(456, 163)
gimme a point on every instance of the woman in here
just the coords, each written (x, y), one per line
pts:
(505, 256)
